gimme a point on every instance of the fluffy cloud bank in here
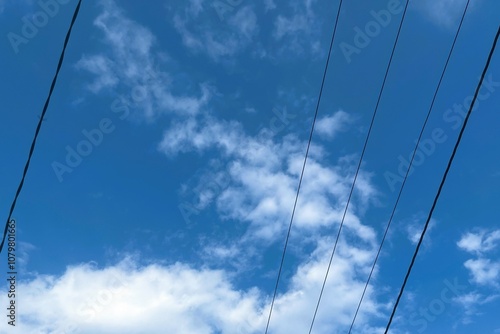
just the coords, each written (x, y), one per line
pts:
(177, 298)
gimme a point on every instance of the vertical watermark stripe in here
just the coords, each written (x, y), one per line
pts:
(11, 273)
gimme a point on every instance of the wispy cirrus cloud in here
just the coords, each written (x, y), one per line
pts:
(298, 31)
(202, 31)
(269, 5)
(130, 63)
(471, 303)
(238, 32)
(444, 13)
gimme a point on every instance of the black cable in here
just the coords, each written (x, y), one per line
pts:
(32, 149)
(359, 166)
(443, 180)
(304, 165)
(409, 166)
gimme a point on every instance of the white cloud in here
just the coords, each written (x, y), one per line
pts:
(445, 13)
(261, 179)
(184, 136)
(293, 309)
(484, 271)
(23, 251)
(414, 234)
(126, 298)
(297, 32)
(131, 65)
(329, 126)
(102, 68)
(471, 302)
(473, 298)
(470, 242)
(414, 230)
(269, 5)
(290, 26)
(221, 40)
(479, 242)
(196, 6)
(178, 298)
(468, 299)
(245, 22)
(223, 30)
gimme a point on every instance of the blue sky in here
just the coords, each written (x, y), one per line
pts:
(164, 177)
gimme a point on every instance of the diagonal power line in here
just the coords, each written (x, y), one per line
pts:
(359, 166)
(304, 166)
(409, 166)
(457, 144)
(37, 131)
